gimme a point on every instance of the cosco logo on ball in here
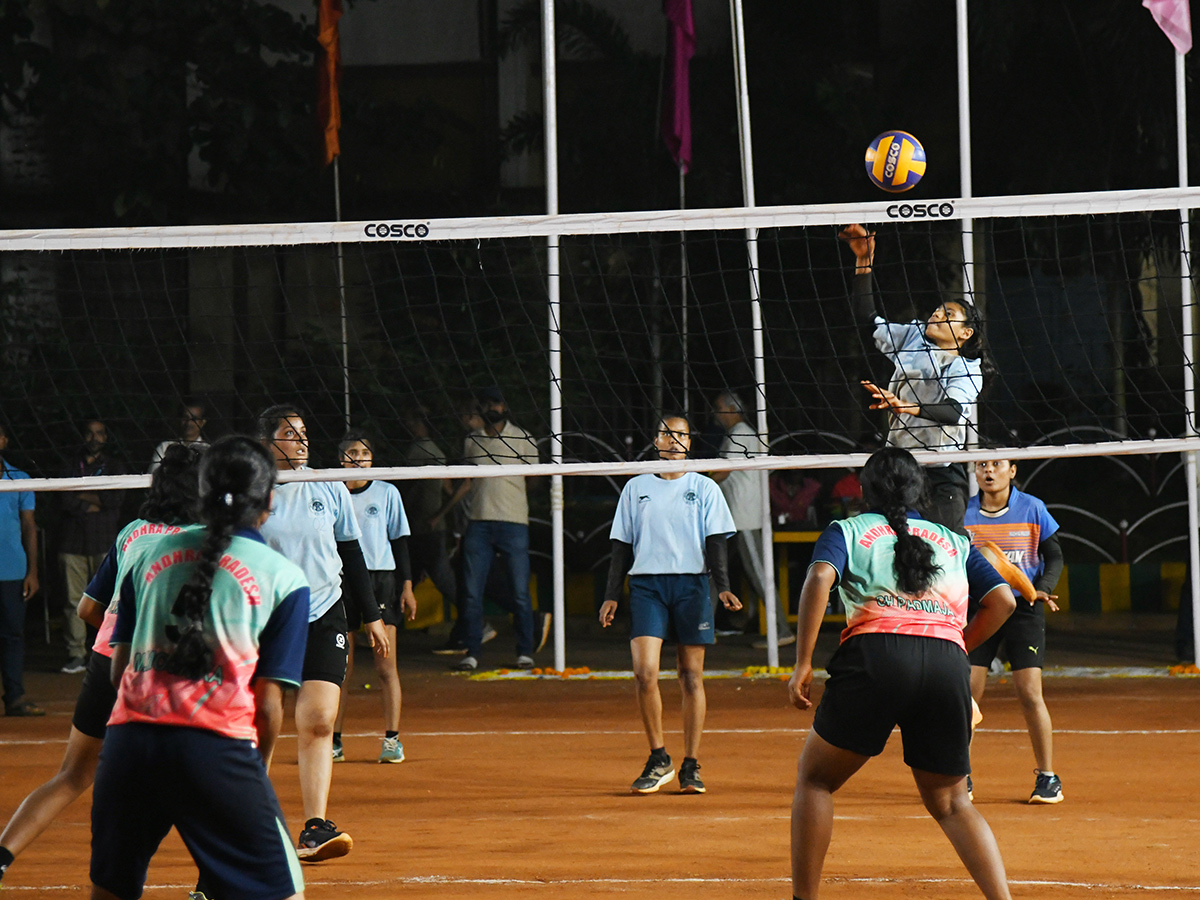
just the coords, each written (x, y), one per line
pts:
(920, 210)
(397, 230)
(893, 157)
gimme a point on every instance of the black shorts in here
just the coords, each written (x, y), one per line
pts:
(1023, 635)
(97, 697)
(325, 655)
(213, 789)
(383, 584)
(922, 684)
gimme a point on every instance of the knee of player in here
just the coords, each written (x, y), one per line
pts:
(646, 678)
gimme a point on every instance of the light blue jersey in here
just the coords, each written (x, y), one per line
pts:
(667, 521)
(307, 520)
(380, 514)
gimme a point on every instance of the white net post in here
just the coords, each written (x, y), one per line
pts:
(554, 286)
(760, 376)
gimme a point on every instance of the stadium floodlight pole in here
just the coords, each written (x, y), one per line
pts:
(1186, 302)
(341, 269)
(760, 371)
(553, 287)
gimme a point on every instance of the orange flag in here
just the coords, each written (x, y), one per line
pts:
(329, 75)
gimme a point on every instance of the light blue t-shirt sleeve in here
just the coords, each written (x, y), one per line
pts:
(717, 517)
(962, 381)
(397, 518)
(892, 337)
(345, 523)
(622, 526)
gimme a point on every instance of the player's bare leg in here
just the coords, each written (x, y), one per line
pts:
(1037, 718)
(316, 710)
(945, 796)
(646, 655)
(42, 806)
(389, 679)
(822, 769)
(695, 704)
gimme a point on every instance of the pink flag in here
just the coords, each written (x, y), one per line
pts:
(1175, 19)
(677, 107)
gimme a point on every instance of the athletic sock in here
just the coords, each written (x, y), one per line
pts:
(1046, 772)
(337, 737)
(689, 759)
(660, 753)
(391, 734)
(6, 860)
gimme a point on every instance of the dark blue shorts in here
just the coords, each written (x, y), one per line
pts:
(216, 793)
(672, 607)
(921, 684)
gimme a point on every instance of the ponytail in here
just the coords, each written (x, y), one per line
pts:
(893, 482)
(236, 478)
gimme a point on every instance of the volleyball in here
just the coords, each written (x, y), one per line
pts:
(895, 161)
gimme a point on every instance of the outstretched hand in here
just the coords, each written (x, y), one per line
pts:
(862, 243)
(1049, 598)
(882, 398)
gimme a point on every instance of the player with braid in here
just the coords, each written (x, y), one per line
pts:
(380, 514)
(313, 524)
(170, 505)
(905, 583)
(210, 629)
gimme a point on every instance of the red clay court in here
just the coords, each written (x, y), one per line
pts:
(519, 789)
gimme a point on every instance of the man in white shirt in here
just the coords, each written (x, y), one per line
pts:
(499, 523)
(743, 493)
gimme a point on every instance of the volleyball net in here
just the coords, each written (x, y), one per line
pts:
(396, 326)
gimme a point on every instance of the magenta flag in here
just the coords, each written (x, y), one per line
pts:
(1175, 19)
(677, 106)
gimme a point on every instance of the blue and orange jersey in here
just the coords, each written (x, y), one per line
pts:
(257, 622)
(1017, 531)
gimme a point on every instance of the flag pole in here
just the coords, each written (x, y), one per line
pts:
(683, 288)
(341, 274)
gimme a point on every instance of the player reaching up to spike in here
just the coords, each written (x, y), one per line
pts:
(940, 366)
(169, 506)
(380, 514)
(214, 623)
(1023, 529)
(669, 534)
(312, 523)
(902, 661)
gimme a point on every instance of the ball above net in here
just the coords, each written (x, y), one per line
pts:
(895, 161)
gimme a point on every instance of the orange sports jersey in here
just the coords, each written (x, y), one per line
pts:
(1017, 531)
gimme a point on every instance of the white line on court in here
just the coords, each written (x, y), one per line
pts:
(456, 881)
(799, 731)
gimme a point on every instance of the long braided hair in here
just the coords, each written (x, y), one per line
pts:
(893, 482)
(236, 479)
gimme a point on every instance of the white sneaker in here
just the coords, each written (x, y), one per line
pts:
(489, 633)
(785, 641)
(466, 664)
(74, 666)
(524, 662)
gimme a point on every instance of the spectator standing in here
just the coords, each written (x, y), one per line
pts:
(88, 526)
(499, 523)
(191, 433)
(18, 582)
(743, 493)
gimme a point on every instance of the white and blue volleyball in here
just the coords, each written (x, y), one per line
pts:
(895, 161)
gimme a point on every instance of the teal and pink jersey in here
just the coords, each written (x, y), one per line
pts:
(862, 550)
(102, 588)
(257, 621)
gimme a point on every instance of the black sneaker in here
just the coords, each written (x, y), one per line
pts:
(658, 772)
(689, 778)
(1047, 789)
(970, 789)
(321, 840)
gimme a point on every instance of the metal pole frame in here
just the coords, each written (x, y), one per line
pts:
(760, 376)
(554, 342)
